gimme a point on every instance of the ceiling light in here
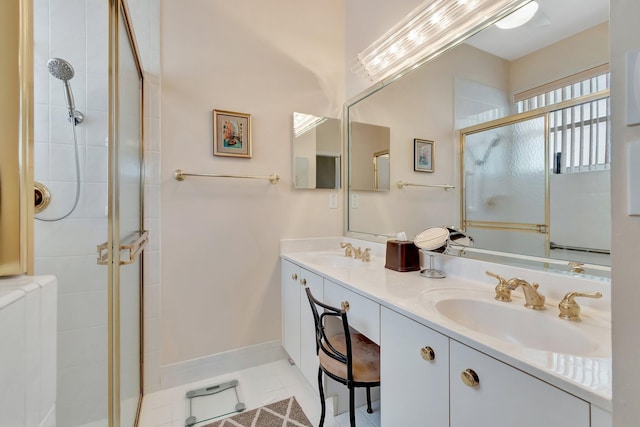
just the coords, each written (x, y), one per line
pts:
(303, 123)
(430, 29)
(519, 17)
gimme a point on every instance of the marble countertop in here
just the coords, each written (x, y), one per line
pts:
(587, 375)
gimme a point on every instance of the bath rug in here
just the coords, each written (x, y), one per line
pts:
(285, 413)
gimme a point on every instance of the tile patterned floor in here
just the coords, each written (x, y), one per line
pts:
(259, 386)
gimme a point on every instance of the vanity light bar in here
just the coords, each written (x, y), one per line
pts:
(429, 30)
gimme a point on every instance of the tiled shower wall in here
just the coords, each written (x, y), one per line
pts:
(77, 30)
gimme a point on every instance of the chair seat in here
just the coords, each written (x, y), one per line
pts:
(366, 358)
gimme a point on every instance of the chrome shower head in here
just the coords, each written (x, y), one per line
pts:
(60, 69)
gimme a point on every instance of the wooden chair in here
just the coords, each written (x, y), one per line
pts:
(347, 357)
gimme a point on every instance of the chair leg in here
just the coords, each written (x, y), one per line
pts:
(352, 409)
(369, 409)
(322, 402)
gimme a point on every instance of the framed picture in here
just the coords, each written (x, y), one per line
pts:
(231, 134)
(422, 155)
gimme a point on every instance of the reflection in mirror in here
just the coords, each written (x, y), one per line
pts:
(316, 151)
(559, 57)
(369, 148)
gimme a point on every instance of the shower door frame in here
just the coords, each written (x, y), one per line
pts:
(544, 113)
(118, 10)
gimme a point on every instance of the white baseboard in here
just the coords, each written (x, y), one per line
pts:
(193, 370)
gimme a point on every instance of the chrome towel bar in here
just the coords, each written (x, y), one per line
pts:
(179, 175)
(402, 184)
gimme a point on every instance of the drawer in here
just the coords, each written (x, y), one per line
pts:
(363, 314)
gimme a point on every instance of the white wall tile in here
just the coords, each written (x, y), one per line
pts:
(74, 273)
(41, 123)
(152, 301)
(152, 168)
(93, 201)
(97, 36)
(82, 310)
(82, 346)
(152, 201)
(98, 92)
(96, 123)
(62, 164)
(69, 237)
(151, 268)
(68, 31)
(41, 161)
(97, 164)
(60, 129)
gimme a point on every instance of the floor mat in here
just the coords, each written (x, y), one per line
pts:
(285, 413)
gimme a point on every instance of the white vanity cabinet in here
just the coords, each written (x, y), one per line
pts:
(414, 365)
(506, 396)
(298, 329)
(362, 313)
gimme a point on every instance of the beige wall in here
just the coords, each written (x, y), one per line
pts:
(579, 52)
(625, 35)
(220, 237)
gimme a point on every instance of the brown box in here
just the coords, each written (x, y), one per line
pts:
(402, 256)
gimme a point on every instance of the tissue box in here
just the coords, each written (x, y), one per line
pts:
(402, 256)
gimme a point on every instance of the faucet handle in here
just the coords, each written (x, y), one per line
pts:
(366, 255)
(503, 292)
(348, 249)
(569, 308)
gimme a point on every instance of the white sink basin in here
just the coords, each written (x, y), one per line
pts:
(510, 322)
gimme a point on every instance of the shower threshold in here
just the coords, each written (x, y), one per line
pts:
(209, 403)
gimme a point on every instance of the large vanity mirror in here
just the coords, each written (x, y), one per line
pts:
(521, 121)
(317, 144)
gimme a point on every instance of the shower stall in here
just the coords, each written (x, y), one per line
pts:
(88, 230)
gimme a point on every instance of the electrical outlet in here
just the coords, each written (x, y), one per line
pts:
(633, 177)
(333, 201)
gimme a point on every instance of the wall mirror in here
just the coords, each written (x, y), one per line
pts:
(521, 121)
(370, 157)
(317, 146)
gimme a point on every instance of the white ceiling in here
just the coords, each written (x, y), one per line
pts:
(554, 21)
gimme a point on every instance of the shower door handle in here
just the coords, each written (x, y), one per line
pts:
(134, 249)
(103, 254)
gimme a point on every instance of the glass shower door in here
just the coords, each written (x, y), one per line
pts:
(128, 232)
(505, 180)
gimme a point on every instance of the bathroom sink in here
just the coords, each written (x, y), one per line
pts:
(510, 322)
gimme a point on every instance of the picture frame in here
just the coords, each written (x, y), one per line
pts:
(423, 155)
(231, 134)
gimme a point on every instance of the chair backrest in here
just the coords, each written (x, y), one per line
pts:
(322, 341)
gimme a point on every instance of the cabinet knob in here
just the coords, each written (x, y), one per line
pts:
(294, 276)
(470, 378)
(427, 353)
(344, 305)
(303, 282)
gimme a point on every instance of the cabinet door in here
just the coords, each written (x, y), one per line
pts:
(308, 357)
(414, 390)
(507, 397)
(363, 314)
(291, 310)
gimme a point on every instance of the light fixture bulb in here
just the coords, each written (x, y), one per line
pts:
(519, 17)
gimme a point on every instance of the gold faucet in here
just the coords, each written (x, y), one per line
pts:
(533, 299)
(569, 309)
(348, 249)
(503, 292)
(366, 255)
